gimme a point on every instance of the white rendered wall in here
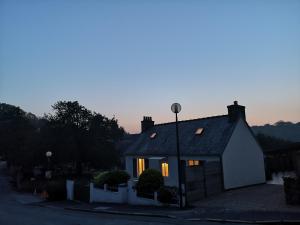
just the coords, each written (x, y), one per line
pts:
(172, 179)
(243, 159)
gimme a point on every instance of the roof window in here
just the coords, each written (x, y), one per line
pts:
(153, 135)
(199, 131)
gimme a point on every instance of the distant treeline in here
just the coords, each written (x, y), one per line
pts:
(74, 135)
(282, 130)
(272, 143)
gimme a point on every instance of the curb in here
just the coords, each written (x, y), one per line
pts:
(120, 213)
(282, 221)
(246, 221)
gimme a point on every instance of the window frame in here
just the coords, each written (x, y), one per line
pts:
(193, 162)
(140, 166)
(165, 169)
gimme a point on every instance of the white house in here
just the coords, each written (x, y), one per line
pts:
(218, 153)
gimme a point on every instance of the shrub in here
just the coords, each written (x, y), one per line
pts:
(100, 178)
(167, 194)
(111, 178)
(149, 182)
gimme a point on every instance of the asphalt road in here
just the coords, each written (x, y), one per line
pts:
(15, 212)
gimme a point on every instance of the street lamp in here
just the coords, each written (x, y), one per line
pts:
(176, 108)
(48, 155)
(48, 172)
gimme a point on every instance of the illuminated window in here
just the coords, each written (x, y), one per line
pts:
(153, 135)
(165, 169)
(199, 131)
(193, 162)
(140, 165)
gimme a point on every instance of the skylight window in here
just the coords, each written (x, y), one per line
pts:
(153, 135)
(199, 131)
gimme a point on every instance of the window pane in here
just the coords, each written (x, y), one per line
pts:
(140, 166)
(199, 131)
(191, 162)
(165, 169)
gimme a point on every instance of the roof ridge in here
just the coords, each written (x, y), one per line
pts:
(182, 121)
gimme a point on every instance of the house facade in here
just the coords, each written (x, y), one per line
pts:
(217, 153)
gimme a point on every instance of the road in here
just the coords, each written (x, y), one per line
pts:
(15, 211)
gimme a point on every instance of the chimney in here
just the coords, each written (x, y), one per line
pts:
(147, 123)
(236, 111)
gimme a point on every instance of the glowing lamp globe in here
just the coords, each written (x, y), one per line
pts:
(48, 154)
(176, 107)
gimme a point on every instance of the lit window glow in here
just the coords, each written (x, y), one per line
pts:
(193, 162)
(153, 135)
(199, 131)
(140, 166)
(165, 169)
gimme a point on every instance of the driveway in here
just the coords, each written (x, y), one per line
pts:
(265, 197)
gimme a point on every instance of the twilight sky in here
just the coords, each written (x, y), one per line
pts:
(135, 58)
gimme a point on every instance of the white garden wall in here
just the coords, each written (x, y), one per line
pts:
(70, 189)
(125, 194)
(104, 195)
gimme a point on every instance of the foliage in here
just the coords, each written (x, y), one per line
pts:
(111, 178)
(283, 130)
(84, 137)
(149, 181)
(100, 178)
(271, 143)
(73, 133)
(167, 194)
(18, 135)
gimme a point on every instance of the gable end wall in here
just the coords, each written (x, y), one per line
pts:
(243, 159)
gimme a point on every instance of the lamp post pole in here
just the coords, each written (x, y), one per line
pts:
(48, 172)
(176, 109)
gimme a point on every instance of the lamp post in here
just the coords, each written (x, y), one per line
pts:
(48, 172)
(176, 108)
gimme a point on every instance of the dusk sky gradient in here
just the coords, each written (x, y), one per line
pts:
(133, 58)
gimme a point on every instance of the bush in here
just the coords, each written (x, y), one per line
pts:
(100, 178)
(56, 189)
(149, 182)
(167, 195)
(111, 178)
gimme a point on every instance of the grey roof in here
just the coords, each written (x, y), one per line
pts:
(125, 142)
(213, 140)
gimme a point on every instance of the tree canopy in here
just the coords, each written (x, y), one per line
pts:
(72, 132)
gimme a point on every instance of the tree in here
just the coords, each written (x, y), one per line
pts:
(84, 137)
(73, 133)
(271, 143)
(103, 134)
(69, 123)
(19, 136)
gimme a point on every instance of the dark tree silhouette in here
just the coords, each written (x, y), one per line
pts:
(73, 133)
